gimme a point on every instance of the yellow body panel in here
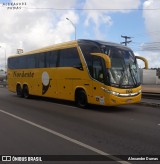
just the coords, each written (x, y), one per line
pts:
(114, 100)
(62, 82)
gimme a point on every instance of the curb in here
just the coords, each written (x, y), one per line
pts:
(150, 104)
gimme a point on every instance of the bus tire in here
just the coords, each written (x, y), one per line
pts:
(81, 98)
(19, 90)
(26, 92)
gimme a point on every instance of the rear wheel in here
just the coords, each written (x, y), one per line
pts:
(81, 99)
(19, 90)
(26, 92)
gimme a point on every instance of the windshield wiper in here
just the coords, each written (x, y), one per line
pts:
(122, 77)
(133, 75)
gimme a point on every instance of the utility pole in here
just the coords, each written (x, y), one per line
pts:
(126, 41)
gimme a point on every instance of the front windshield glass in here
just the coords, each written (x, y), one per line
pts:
(124, 70)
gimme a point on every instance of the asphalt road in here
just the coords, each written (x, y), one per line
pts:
(41, 126)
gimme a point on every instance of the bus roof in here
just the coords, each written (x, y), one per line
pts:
(74, 43)
(100, 42)
(49, 48)
(55, 46)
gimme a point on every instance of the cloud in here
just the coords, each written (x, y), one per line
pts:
(152, 58)
(151, 50)
(101, 16)
(38, 25)
(32, 28)
(151, 19)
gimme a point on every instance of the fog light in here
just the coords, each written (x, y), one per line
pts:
(114, 101)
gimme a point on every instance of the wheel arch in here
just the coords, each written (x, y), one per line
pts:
(19, 84)
(81, 101)
(79, 88)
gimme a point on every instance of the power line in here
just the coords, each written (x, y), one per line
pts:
(150, 46)
(143, 34)
(89, 9)
(93, 9)
(158, 42)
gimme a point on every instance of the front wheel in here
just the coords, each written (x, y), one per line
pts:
(81, 99)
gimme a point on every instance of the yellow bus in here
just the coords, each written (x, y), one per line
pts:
(84, 71)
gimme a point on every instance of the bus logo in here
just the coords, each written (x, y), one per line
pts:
(129, 91)
(45, 82)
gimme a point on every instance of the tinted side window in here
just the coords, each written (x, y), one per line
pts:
(17, 63)
(69, 58)
(22, 62)
(11, 63)
(31, 61)
(98, 72)
(41, 60)
(51, 58)
(87, 49)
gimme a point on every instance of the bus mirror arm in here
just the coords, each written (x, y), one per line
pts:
(105, 57)
(80, 67)
(144, 60)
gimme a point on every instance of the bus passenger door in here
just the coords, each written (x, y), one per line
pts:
(97, 72)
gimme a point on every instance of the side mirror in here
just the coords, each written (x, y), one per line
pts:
(105, 57)
(144, 60)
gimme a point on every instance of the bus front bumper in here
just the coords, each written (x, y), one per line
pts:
(113, 100)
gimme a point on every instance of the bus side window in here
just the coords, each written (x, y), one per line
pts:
(22, 64)
(51, 58)
(98, 72)
(87, 49)
(41, 60)
(12, 63)
(31, 61)
(70, 58)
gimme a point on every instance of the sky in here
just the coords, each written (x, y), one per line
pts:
(40, 23)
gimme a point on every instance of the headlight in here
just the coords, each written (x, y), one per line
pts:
(121, 94)
(140, 91)
(110, 92)
(114, 93)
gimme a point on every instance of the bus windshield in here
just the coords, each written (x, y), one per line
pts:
(124, 71)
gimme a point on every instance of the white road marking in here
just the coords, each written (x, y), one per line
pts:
(74, 107)
(67, 138)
